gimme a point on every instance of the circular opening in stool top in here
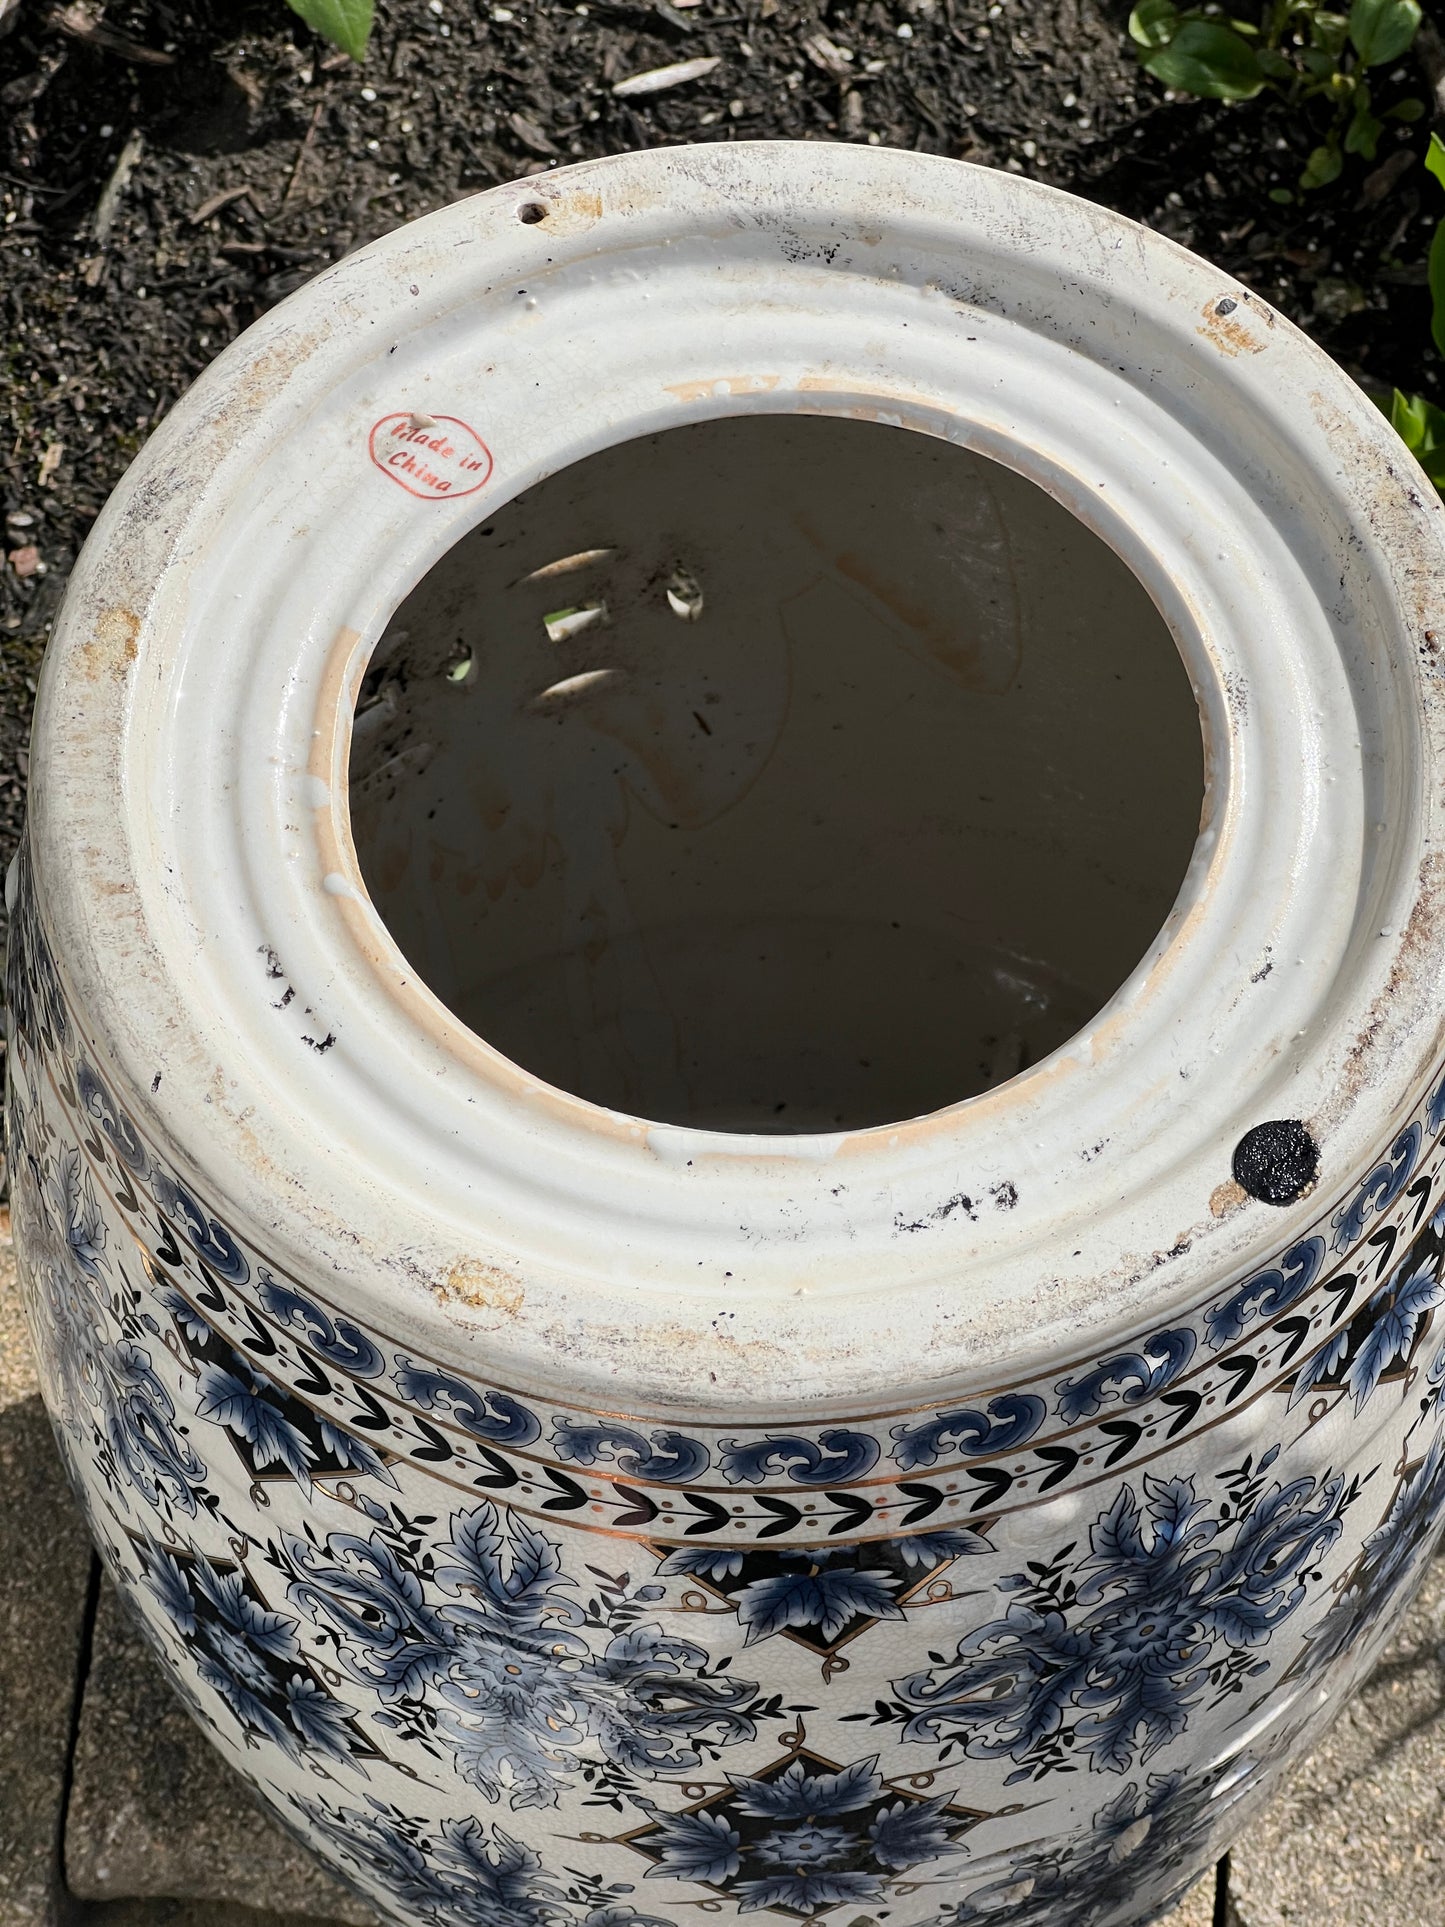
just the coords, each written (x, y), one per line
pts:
(776, 774)
(223, 840)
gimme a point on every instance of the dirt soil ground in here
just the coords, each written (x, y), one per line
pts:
(171, 172)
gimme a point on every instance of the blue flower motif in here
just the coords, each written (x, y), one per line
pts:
(797, 1794)
(489, 1642)
(186, 1316)
(828, 1597)
(911, 1831)
(78, 1210)
(801, 1838)
(352, 1452)
(806, 1845)
(707, 1562)
(937, 1548)
(167, 1585)
(250, 1656)
(466, 1873)
(696, 1846)
(242, 1406)
(1399, 1309)
(320, 1720)
(1112, 1665)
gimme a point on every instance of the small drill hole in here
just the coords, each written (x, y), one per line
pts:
(576, 685)
(567, 564)
(563, 624)
(531, 212)
(684, 596)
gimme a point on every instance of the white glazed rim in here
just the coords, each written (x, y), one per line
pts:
(191, 833)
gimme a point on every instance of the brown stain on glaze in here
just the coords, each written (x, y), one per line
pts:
(570, 213)
(113, 647)
(888, 399)
(1419, 942)
(1229, 335)
(1227, 1198)
(481, 1287)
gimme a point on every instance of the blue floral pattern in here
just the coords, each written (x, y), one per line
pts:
(251, 1657)
(464, 1873)
(507, 1665)
(1102, 1658)
(823, 1596)
(803, 1836)
(484, 1654)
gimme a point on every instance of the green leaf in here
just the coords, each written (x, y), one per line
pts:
(1208, 59)
(1322, 167)
(1435, 158)
(1318, 64)
(1282, 196)
(1409, 419)
(347, 22)
(1153, 23)
(1421, 427)
(1273, 63)
(1435, 269)
(1363, 135)
(1408, 109)
(1328, 30)
(1381, 30)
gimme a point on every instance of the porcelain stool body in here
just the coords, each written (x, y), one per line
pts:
(574, 1493)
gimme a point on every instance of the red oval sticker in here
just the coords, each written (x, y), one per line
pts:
(430, 455)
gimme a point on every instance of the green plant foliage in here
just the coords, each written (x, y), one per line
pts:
(1418, 422)
(1206, 57)
(1297, 48)
(347, 22)
(1421, 427)
(1435, 162)
(1381, 30)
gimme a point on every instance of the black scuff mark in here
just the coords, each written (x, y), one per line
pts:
(1176, 1250)
(960, 1201)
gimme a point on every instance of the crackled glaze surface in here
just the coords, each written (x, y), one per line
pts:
(504, 1661)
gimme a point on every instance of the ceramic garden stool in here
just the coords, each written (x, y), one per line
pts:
(726, 1049)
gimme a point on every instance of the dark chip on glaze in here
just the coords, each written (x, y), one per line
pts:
(1277, 1162)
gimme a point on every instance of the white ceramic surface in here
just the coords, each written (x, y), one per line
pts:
(568, 1515)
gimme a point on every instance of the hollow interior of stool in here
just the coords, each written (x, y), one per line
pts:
(778, 773)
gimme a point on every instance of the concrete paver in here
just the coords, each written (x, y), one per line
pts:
(1197, 1907)
(178, 1913)
(45, 1568)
